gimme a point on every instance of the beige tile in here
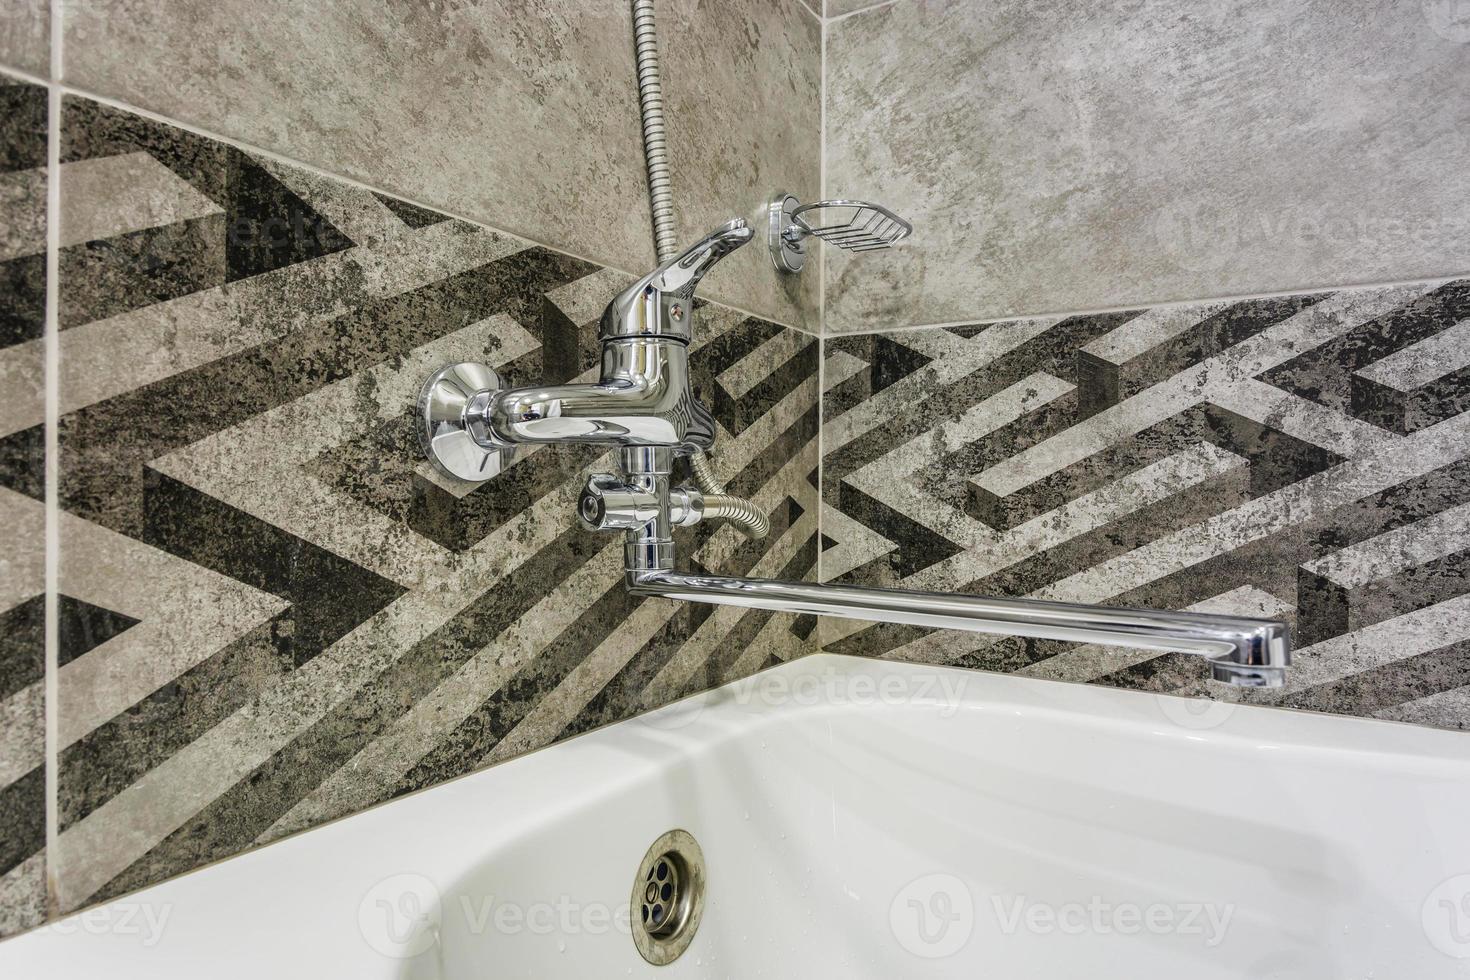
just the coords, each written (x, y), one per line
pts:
(743, 83)
(23, 895)
(1066, 155)
(836, 8)
(22, 515)
(25, 36)
(24, 231)
(22, 715)
(116, 195)
(519, 113)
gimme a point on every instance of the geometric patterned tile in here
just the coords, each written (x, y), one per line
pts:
(23, 119)
(242, 493)
(1216, 455)
(83, 626)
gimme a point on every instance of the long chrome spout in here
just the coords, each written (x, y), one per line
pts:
(1241, 651)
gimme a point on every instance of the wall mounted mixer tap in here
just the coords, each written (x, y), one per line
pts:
(643, 404)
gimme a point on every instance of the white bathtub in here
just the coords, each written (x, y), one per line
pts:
(863, 819)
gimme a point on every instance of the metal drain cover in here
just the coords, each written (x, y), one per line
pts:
(668, 897)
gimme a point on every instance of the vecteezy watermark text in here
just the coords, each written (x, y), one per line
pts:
(403, 916)
(144, 920)
(1099, 917)
(942, 689)
(563, 916)
(1204, 238)
(935, 915)
(1445, 917)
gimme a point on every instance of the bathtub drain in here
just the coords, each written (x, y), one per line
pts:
(668, 897)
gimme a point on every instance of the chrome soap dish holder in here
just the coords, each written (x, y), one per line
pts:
(855, 226)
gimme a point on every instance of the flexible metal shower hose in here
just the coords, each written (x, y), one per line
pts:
(717, 503)
(655, 138)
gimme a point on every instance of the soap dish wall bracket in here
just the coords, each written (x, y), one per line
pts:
(854, 226)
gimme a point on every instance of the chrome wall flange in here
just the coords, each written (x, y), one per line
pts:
(786, 241)
(446, 404)
(853, 226)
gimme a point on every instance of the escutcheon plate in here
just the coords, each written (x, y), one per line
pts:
(788, 250)
(445, 433)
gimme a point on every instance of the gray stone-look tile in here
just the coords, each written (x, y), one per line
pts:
(273, 612)
(518, 113)
(22, 513)
(1208, 457)
(25, 36)
(836, 8)
(743, 82)
(1067, 155)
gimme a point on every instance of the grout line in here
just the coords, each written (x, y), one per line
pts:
(821, 271)
(320, 172)
(361, 185)
(821, 251)
(26, 76)
(861, 10)
(1145, 305)
(820, 447)
(51, 461)
(759, 316)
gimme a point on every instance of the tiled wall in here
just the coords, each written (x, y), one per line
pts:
(743, 80)
(1061, 155)
(25, 36)
(518, 113)
(22, 517)
(282, 615)
(270, 611)
(1302, 457)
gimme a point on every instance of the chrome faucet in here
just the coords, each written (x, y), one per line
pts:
(643, 399)
(643, 405)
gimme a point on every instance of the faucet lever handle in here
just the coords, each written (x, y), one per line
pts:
(661, 304)
(681, 275)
